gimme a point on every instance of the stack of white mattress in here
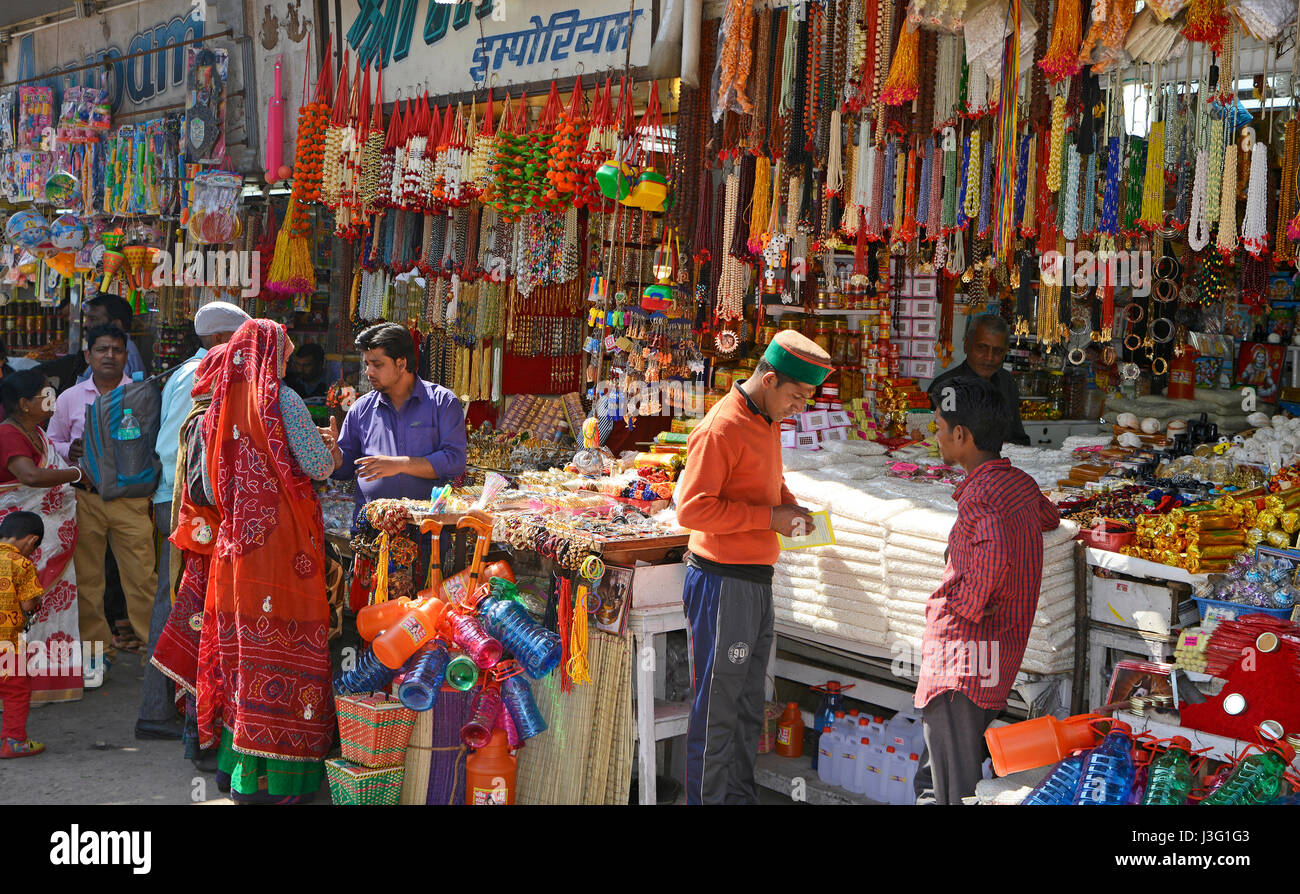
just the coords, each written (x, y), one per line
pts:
(871, 587)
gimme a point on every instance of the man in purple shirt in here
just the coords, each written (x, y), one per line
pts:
(407, 436)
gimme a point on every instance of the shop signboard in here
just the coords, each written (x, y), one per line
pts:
(451, 48)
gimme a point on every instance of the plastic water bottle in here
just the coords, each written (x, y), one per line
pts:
(128, 429)
(537, 649)
(462, 673)
(474, 641)
(484, 711)
(1169, 778)
(1109, 769)
(1256, 779)
(826, 752)
(423, 676)
(370, 675)
(1058, 786)
(521, 707)
(832, 699)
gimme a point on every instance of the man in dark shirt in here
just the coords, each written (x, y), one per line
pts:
(308, 377)
(985, 344)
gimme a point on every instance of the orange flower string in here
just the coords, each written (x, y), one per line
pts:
(1062, 57)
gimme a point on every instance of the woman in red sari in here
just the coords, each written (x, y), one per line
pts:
(263, 677)
(194, 532)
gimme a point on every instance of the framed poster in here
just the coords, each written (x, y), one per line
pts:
(615, 592)
(1260, 367)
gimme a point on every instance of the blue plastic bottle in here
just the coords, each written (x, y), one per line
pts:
(422, 678)
(1109, 769)
(832, 701)
(1058, 786)
(370, 675)
(532, 645)
(518, 697)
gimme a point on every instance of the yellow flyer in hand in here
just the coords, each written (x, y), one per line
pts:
(821, 534)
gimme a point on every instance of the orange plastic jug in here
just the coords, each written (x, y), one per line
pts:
(455, 589)
(789, 732)
(403, 638)
(490, 773)
(1038, 742)
(375, 619)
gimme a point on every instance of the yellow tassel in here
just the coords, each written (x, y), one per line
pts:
(381, 572)
(578, 638)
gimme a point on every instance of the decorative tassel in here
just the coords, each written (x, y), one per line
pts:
(577, 662)
(1062, 57)
(901, 85)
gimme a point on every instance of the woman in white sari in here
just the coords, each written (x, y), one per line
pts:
(33, 477)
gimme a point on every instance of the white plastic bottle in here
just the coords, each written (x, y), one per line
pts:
(896, 789)
(861, 771)
(874, 786)
(827, 755)
(848, 762)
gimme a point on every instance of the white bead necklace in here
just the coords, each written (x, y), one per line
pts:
(1198, 225)
(1254, 229)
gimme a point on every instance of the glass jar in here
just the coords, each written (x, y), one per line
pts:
(822, 334)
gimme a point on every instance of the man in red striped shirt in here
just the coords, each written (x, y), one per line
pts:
(977, 623)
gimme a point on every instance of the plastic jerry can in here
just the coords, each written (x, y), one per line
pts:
(897, 788)
(490, 773)
(789, 731)
(905, 732)
(860, 772)
(876, 730)
(373, 620)
(826, 755)
(874, 773)
(847, 770)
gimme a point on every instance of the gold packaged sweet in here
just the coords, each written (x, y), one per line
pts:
(1279, 539)
(1289, 521)
(1211, 521)
(1254, 537)
(1274, 504)
(1177, 516)
(1225, 503)
(1219, 552)
(1266, 521)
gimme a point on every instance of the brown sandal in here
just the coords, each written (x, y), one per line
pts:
(124, 637)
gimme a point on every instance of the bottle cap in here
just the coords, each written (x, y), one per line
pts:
(1119, 726)
(839, 714)
(862, 721)
(866, 741)
(853, 712)
(828, 729)
(878, 719)
(1180, 742)
(794, 705)
(890, 749)
(913, 757)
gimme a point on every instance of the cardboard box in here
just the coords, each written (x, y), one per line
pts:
(903, 328)
(788, 437)
(921, 369)
(925, 308)
(925, 287)
(814, 420)
(839, 418)
(925, 328)
(834, 434)
(1152, 607)
(807, 440)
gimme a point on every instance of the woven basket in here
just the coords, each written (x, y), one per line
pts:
(374, 729)
(354, 785)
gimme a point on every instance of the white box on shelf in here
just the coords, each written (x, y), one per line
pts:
(920, 369)
(807, 440)
(924, 287)
(788, 437)
(925, 328)
(925, 308)
(839, 419)
(923, 348)
(903, 328)
(904, 347)
(813, 420)
(835, 434)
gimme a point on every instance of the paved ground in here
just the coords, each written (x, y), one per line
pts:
(93, 757)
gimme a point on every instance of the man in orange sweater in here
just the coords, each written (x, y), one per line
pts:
(733, 498)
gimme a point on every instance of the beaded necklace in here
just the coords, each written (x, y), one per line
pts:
(1254, 228)
(1215, 183)
(1136, 168)
(1070, 228)
(1284, 249)
(1058, 142)
(986, 191)
(1022, 177)
(927, 167)
(1227, 241)
(949, 189)
(1090, 195)
(971, 201)
(934, 222)
(1198, 223)
(1153, 183)
(887, 195)
(904, 200)
(1031, 186)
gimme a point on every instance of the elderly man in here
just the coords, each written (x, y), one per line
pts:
(985, 345)
(214, 324)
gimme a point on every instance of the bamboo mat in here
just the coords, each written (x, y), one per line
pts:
(585, 755)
